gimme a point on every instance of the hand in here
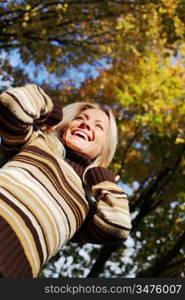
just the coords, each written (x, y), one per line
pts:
(117, 178)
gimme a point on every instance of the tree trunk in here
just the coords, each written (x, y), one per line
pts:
(105, 253)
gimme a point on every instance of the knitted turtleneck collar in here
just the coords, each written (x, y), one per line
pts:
(77, 157)
(76, 160)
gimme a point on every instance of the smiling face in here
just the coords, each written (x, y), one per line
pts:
(87, 133)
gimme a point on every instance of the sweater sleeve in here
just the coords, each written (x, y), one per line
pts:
(22, 109)
(108, 222)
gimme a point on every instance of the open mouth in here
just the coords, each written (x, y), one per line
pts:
(82, 135)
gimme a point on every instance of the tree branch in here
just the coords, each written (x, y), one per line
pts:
(161, 264)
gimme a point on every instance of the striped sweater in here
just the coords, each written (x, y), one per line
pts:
(43, 202)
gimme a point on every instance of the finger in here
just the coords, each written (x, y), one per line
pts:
(117, 178)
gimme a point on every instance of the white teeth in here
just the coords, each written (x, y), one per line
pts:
(81, 134)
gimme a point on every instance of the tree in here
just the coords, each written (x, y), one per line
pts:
(143, 43)
(150, 111)
(57, 34)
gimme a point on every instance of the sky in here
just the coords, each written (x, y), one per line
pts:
(76, 76)
(73, 76)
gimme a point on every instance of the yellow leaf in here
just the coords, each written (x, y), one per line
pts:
(179, 141)
(178, 220)
(27, 7)
(26, 18)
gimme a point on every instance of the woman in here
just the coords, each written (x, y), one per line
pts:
(54, 165)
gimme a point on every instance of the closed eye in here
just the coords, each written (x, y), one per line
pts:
(79, 118)
(100, 126)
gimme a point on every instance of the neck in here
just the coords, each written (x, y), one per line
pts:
(77, 156)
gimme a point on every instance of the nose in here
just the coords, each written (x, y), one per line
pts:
(86, 124)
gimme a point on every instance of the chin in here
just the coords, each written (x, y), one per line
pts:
(76, 147)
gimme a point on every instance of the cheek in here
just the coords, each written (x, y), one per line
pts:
(66, 133)
(66, 137)
(100, 142)
(101, 139)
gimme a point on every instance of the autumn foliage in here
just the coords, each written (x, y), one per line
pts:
(143, 45)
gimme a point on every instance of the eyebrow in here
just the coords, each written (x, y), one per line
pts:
(87, 117)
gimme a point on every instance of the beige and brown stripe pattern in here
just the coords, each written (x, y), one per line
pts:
(42, 199)
(110, 223)
(35, 190)
(27, 103)
(112, 209)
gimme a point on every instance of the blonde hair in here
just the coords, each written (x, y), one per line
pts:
(69, 113)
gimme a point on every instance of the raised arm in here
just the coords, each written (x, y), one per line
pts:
(109, 221)
(22, 109)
